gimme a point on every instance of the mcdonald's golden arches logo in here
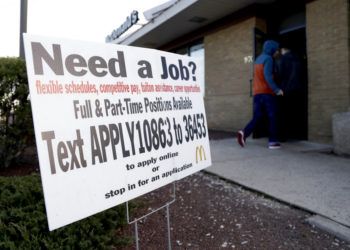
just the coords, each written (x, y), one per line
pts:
(200, 153)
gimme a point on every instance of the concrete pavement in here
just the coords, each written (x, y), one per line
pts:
(302, 173)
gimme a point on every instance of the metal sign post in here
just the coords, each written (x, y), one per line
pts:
(135, 221)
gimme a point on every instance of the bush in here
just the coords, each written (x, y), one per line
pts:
(16, 126)
(23, 223)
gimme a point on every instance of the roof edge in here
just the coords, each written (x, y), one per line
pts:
(179, 6)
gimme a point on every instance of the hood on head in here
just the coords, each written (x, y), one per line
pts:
(270, 47)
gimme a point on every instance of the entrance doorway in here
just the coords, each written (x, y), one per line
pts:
(293, 108)
(294, 105)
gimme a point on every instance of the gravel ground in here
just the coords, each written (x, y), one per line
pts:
(210, 213)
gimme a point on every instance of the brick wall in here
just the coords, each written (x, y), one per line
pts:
(227, 98)
(327, 31)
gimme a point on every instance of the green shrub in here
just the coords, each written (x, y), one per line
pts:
(23, 223)
(16, 126)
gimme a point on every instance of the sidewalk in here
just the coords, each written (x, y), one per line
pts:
(302, 173)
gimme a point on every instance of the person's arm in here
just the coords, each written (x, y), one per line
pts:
(268, 74)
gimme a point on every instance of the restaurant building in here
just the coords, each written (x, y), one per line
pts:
(229, 35)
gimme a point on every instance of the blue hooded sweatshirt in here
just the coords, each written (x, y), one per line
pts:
(263, 70)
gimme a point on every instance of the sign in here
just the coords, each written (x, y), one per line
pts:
(112, 123)
(129, 22)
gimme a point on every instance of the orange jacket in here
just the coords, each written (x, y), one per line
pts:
(260, 85)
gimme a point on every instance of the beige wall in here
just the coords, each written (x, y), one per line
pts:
(227, 99)
(327, 32)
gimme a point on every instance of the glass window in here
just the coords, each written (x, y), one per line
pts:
(181, 51)
(198, 51)
(195, 50)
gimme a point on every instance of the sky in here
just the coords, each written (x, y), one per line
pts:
(85, 20)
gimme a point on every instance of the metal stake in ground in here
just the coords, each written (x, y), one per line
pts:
(144, 216)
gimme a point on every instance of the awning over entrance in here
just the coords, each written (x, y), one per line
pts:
(182, 18)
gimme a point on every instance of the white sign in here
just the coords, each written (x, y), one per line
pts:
(112, 123)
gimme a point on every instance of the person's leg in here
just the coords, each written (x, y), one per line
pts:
(257, 115)
(270, 102)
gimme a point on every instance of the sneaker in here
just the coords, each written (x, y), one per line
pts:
(274, 145)
(240, 138)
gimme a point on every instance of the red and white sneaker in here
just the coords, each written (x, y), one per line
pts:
(241, 138)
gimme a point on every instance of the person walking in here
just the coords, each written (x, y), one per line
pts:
(265, 91)
(292, 105)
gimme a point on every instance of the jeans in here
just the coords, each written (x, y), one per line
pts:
(264, 104)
